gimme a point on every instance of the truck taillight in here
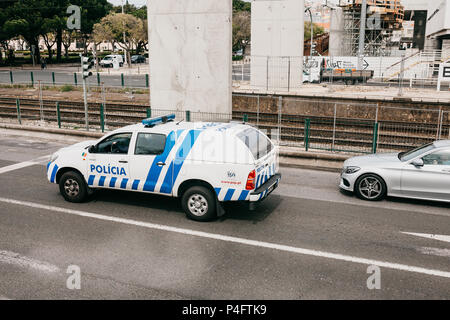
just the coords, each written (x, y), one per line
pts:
(251, 181)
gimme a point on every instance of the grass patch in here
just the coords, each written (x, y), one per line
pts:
(67, 88)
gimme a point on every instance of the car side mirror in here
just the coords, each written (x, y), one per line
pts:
(418, 163)
(92, 149)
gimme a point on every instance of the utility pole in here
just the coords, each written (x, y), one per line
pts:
(362, 34)
(312, 34)
(124, 41)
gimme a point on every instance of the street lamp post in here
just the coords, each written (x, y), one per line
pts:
(124, 41)
(312, 33)
(362, 34)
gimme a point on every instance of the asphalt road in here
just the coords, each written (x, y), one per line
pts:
(306, 241)
(110, 80)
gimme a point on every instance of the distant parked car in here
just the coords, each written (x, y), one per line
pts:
(421, 173)
(107, 62)
(138, 59)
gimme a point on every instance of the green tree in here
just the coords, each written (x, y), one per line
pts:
(241, 30)
(4, 35)
(112, 28)
(240, 5)
(318, 30)
(92, 11)
(26, 18)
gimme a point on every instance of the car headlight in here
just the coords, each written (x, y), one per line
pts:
(351, 170)
(54, 157)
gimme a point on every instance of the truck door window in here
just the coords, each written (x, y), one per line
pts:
(150, 144)
(116, 144)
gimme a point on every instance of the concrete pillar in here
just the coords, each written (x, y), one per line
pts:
(336, 32)
(190, 55)
(277, 45)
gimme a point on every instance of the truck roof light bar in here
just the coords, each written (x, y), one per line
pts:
(151, 122)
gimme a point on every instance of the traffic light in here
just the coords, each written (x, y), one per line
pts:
(86, 64)
(313, 48)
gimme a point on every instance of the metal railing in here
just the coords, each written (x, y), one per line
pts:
(31, 77)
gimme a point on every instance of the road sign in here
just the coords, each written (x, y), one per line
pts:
(444, 74)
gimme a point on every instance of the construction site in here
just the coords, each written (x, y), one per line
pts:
(383, 18)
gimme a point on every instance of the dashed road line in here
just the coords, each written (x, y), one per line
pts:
(435, 251)
(24, 164)
(438, 237)
(13, 258)
(231, 239)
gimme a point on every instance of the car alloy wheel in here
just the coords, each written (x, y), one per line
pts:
(370, 188)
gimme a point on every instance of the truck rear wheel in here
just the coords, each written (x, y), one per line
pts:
(73, 187)
(199, 204)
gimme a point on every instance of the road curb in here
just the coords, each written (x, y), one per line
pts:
(69, 132)
(289, 157)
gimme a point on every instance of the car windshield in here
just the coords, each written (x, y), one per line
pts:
(107, 58)
(409, 155)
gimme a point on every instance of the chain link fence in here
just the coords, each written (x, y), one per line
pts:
(310, 124)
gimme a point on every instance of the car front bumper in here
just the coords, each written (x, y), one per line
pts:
(347, 181)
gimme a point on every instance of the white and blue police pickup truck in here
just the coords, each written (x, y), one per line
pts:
(204, 164)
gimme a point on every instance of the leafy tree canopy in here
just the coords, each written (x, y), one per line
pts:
(240, 5)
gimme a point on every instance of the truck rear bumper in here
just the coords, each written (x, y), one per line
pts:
(267, 188)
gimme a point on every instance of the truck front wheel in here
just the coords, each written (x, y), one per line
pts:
(73, 187)
(199, 204)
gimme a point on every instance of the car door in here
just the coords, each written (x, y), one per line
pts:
(149, 161)
(430, 181)
(108, 162)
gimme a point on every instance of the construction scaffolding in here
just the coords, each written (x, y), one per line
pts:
(383, 17)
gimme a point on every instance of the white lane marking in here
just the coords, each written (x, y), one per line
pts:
(430, 236)
(10, 257)
(249, 242)
(435, 251)
(22, 165)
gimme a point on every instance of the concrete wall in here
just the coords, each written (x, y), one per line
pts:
(415, 4)
(438, 18)
(190, 55)
(277, 44)
(336, 32)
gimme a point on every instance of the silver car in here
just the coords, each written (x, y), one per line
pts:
(422, 173)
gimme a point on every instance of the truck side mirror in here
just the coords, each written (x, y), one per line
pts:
(92, 149)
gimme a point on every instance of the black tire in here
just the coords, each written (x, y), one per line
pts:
(73, 187)
(199, 204)
(370, 187)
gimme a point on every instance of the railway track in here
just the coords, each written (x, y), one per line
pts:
(324, 131)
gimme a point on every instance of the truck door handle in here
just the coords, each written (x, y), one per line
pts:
(160, 164)
(123, 161)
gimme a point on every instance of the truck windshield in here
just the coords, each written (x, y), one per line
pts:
(258, 144)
